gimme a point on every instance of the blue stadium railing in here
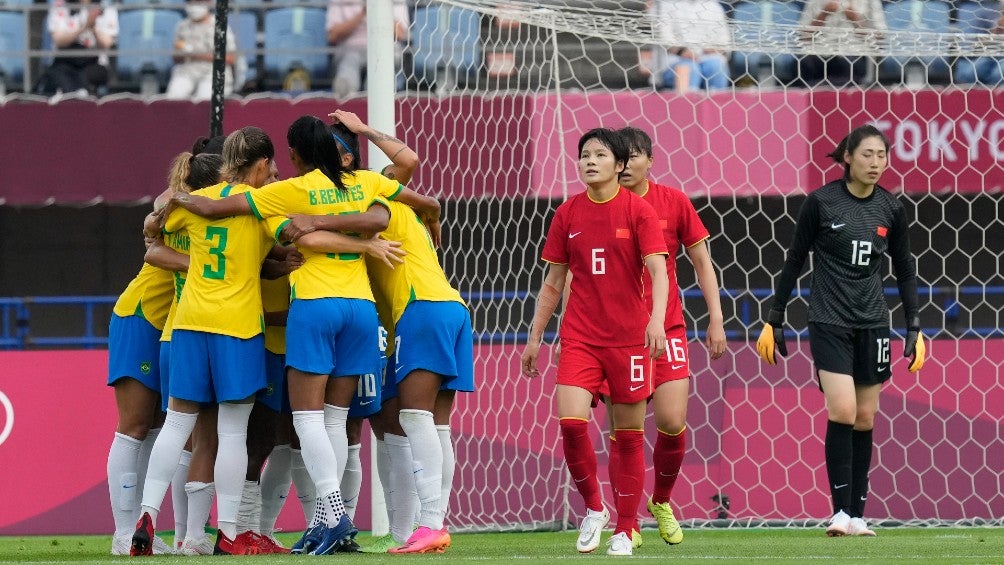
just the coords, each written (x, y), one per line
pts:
(16, 313)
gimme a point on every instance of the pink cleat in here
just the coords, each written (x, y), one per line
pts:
(425, 540)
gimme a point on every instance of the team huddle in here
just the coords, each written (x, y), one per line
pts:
(267, 320)
(272, 317)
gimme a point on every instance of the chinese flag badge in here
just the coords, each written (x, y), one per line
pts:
(882, 231)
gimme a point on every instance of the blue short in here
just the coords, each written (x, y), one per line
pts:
(274, 394)
(436, 337)
(134, 351)
(332, 336)
(367, 400)
(214, 368)
(389, 390)
(165, 372)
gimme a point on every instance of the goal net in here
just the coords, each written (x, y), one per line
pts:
(497, 94)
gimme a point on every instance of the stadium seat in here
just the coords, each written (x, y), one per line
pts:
(756, 19)
(923, 16)
(12, 50)
(295, 37)
(146, 43)
(245, 26)
(165, 3)
(977, 17)
(445, 45)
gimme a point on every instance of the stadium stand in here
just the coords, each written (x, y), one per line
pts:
(445, 46)
(919, 16)
(761, 15)
(295, 38)
(146, 41)
(13, 41)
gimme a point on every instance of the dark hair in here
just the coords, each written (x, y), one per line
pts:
(850, 143)
(312, 141)
(243, 148)
(637, 141)
(209, 145)
(348, 142)
(204, 170)
(610, 138)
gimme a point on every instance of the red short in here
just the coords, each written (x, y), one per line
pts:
(625, 371)
(675, 364)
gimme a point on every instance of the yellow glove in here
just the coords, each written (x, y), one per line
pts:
(915, 349)
(772, 338)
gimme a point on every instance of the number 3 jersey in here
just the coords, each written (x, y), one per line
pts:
(605, 245)
(848, 237)
(223, 288)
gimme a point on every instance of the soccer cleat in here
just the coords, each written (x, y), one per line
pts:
(839, 525)
(425, 540)
(142, 539)
(160, 547)
(329, 538)
(669, 528)
(310, 538)
(121, 543)
(246, 543)
(620, 544)
(201, 545)
(858, 527)
(382, 544)
(348, 546)
(590, 530)
(636, 540)
(270, 545)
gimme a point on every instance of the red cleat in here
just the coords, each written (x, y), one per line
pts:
(247, 543)
(142, 540)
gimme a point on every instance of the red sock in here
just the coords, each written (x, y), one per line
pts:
(613, 464)
(581, 460)
(667, 457)
(630, 478)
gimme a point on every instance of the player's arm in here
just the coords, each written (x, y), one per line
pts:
(389, 252)
(655, 333)
(235, 205)
(373, 220)
(905, 268)
(160, 255)
(700, 256)
(427, 208)
(772, 335)
(276, 318)
(403, 159)
(547, 304)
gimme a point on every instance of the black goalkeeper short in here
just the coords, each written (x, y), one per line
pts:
(863, 353)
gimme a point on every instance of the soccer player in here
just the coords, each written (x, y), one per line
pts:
(217, 348)
(680, 224)
(849, 225)
(606, 237)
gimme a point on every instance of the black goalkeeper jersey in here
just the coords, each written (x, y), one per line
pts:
(849, 237)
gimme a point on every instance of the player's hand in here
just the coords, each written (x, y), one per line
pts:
(348, 119)
(716, 340)
(435, 231)
(556, 352)
(528, 360)
(388, 251)
(915, 349)
(299, 225)
(655, 339)
(771, 340)
(293, 260)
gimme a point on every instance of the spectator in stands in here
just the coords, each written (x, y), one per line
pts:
(346, 26)
(985, 70)
(843, 26)
(192, 74)
(700, 31)
(88, 27)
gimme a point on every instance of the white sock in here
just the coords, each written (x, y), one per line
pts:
(200, 503)
(123, 483)
(306, 493)
(383, 470)
(334, 425)
(449, 465)
(248, 516)
(275, 483)
(352, 480)
(164, 459)
(231, 463)
(143, 462)
(179, 498)
(402, 499)
(427, 453)
(319, 459)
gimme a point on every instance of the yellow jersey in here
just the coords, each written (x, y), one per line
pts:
(222, 289)
(148, 296)
(180, 243)
(275, 298)
(325, 275)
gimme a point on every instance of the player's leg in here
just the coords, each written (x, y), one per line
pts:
(352, 476)
(200, 487)
(276, 480)
(672, 388)
(861, 446)
(261, 438)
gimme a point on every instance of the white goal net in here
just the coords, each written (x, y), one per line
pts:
(497, 94)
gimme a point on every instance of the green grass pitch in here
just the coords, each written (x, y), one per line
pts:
(943, 546)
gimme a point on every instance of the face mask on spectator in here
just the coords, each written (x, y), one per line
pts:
(197, 11)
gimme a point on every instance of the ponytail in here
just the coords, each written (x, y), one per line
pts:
(314, 143)
(180, 168)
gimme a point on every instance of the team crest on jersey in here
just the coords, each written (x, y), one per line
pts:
(882, 231)
(145, 367)
(269, 389)
(622, 233)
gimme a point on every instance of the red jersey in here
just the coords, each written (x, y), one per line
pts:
(604, 245)
(680, 224)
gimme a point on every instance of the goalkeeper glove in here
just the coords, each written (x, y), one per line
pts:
(915, 348)
(772, 338)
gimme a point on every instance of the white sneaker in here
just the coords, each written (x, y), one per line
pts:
(197, 546)
(121, 543)
(839, 525)
(590, 530)
(160, 547)
(620, 544)
(858, 527)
